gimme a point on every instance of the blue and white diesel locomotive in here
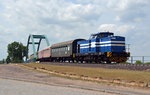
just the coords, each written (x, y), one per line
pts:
(103, 47)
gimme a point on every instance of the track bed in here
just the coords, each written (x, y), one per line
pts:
(138, 67)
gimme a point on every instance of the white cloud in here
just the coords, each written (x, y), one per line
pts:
(131, 10)
(118, 30)
(117, 18)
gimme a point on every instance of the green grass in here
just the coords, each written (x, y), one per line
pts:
(147, 63)
(110, 74)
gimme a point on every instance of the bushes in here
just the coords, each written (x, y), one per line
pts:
(126, 63)
(147, 63)
(138, 62)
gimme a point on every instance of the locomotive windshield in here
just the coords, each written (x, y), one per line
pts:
(101, 35)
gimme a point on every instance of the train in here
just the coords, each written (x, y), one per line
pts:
(102, 47)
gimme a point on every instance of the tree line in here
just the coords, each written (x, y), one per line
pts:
(16, 52)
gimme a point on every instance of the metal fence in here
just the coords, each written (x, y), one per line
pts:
(143, 59)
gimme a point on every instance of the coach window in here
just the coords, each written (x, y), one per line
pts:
(68, 48)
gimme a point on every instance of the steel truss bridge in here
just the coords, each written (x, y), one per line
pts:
(31, 41)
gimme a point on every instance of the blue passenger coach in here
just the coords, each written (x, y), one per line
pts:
(102, 47)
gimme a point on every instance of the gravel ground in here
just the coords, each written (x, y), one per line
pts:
(138, 67)
(15, 72)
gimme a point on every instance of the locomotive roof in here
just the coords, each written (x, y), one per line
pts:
(65, 43)
(103, 33)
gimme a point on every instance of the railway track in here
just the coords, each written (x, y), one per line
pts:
(137, 67)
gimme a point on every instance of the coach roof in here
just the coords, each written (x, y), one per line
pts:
(65, 43)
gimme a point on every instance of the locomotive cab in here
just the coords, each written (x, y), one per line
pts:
(101, 35)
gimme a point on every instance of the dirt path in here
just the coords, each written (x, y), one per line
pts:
(15, 72)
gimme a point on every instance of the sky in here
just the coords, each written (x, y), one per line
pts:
(63, 20)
